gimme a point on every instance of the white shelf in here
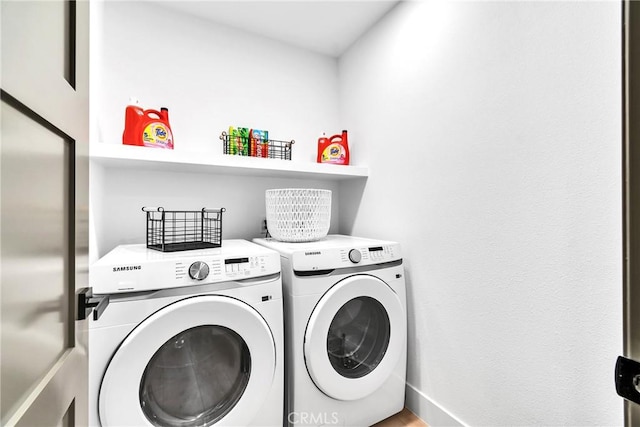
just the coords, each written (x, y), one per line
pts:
(143, 158)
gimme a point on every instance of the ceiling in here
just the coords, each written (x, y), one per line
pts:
(328, 27)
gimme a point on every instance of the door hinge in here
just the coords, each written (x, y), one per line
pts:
(628, 379)
(87, 303)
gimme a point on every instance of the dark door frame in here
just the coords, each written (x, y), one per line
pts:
(631, 190)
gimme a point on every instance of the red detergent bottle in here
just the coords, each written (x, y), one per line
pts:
(334, 150)
(147, 128)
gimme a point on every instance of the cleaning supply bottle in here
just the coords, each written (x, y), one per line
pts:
(264, 144)
(323, 142)
(259, 143)
(243, 142)
(132, 117)
(148, 128)
(252, 142)
(334, 150)
(233, 146)
(156, 131)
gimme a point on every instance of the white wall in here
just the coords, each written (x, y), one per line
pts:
(492, 131)
(210, 77)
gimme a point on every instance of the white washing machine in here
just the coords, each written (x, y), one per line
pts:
(191, 338)
(345, 330)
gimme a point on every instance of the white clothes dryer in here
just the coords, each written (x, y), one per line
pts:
(191, 338)
(345, 330)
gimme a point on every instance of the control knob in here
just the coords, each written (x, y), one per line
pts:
(355, 256)
(199, 270)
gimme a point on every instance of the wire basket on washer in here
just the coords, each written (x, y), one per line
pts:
(172, 231)
(298, 214)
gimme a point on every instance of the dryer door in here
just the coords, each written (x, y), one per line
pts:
(201, 361)
(354, 337)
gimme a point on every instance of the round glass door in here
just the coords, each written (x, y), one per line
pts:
(358, 337)
(355, 337)
(201, 361)
(195, 378)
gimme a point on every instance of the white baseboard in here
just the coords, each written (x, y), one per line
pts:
(428, 410)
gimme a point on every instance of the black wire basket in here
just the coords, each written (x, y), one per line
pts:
(172, 231)
(256, 147)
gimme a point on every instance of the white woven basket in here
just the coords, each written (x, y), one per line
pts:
(298, 214)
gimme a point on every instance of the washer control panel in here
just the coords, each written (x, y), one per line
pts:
(199, 270)
(134, 268)
(355, 256)
(217, 269)
(234, 267)
(381, 253)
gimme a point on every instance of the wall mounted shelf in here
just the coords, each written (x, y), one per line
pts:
(141, 158)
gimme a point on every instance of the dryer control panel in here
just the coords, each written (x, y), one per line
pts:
(332, 258)
(335, 251)
(369, 255)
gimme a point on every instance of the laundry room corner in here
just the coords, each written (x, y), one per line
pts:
(484, 139)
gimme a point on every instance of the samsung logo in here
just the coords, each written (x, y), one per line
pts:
(313, 253)
(127, 268)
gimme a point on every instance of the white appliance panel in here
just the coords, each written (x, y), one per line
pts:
(241, 293)
(134, 268)
(335, 251)
(316, 395)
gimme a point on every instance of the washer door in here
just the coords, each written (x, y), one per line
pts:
(201, 361)
(354, 337)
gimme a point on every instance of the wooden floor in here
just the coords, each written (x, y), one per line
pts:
(406, 418)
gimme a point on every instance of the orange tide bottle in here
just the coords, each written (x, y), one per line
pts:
(147, 128)
(334, 150)
(156, 131)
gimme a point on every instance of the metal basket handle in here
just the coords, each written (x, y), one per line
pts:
(149, 209)
(213, 210)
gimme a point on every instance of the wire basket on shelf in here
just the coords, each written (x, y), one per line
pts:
(256, 147)
(172, 231)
